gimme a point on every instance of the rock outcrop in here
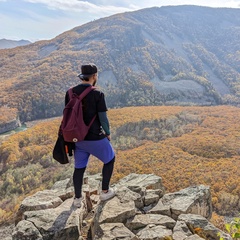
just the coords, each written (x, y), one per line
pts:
(9, 126)
(140, 210)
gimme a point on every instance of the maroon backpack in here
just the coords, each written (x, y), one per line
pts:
(73, 127)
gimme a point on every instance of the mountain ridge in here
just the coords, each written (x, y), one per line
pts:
(7, 43)
(182, 55)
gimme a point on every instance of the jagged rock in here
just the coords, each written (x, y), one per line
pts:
(196, 200)
(154, 232)
(11, 125)
(60, 223)
(63, 189)
(141, 221)
(152, 196)
(52, 212)
(149, 181)
(112, 211)
(202, 226)
(40, 200)
(136, 212)
(116, 231)
(115, 211)
(161, 209)
(181, 231)
(93, 183)
(62, 184)
(6, 231)
(126, 195)
(26, 230)
(129, 196)
(64, 193)
(94, 199)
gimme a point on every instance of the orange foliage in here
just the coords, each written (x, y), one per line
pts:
(184, 145)
(7, 114)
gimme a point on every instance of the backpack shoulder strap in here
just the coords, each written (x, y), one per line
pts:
(85, 92)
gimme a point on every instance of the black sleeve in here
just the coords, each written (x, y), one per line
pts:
(101, 103)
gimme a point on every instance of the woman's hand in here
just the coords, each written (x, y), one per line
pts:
(108, 137)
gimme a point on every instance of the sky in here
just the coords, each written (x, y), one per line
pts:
(45, 19)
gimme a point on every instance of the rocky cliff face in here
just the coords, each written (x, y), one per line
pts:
(140, 210)
(11, 125)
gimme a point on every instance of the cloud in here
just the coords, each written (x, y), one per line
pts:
(82, 6)
(212, 3)
(45, 19)
(102, 8)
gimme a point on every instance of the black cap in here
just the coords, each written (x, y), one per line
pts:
(87, 71)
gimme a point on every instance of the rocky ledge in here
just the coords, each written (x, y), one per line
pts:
(140, 210)
(9, 126)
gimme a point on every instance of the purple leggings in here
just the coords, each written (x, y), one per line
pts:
(102, 149)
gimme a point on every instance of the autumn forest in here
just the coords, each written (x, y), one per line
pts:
(184, 145)
(176, 55)
(171, 79)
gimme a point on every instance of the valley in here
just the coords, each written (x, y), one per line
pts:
(184, 145)
(171, 80)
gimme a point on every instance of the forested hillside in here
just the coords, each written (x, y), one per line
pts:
(182, 55)
(184, 145)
